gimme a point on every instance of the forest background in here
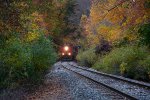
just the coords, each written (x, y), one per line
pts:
(114, 37)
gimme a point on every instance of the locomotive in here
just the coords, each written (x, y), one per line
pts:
(68, 52)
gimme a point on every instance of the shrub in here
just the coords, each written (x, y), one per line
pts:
(13, 57)
(103, 47)
(144, 33)
(23, 62)
(87, 58)
(43, 56)
(145, 67)
(126, 61)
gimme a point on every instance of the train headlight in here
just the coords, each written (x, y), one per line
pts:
(69, 54)
(63, 54)
(66, 48)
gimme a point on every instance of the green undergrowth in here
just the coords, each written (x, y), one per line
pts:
(87, 58)
(25, 62)
(128, 61)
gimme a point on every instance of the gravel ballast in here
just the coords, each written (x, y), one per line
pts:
(61, 84)
(142, 93)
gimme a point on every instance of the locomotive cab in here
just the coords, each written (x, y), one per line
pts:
(68, 52)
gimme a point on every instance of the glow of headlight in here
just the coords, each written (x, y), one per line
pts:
(69, 54)
(63, 54)
(66, 48)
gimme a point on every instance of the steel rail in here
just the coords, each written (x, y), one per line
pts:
(142, 84)
(105, 85)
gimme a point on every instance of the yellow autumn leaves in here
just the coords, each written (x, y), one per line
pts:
(111, 20)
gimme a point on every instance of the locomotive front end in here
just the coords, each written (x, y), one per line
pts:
(66, 51)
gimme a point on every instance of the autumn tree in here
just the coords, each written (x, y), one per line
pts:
(116, 20)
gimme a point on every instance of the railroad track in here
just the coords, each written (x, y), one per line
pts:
(127, 88)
